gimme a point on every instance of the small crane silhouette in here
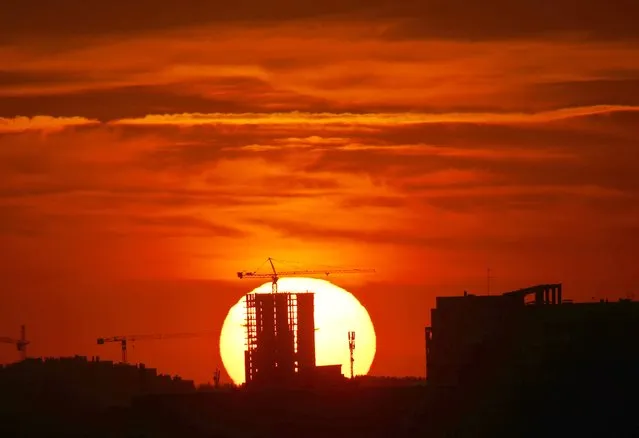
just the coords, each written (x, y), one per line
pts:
(21, 344)
(125, 340)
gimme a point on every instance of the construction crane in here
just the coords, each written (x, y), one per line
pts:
(21, 344)
(124, 340)
(275, 276)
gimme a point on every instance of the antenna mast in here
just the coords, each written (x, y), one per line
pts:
(351, 347)
(216, 378)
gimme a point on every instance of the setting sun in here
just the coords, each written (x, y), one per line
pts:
(337, 312)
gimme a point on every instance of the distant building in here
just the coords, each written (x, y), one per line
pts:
(93, 382)
(528, 332)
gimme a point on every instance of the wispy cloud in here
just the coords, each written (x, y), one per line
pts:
(480, 153)
(41, 123)
(389, 119)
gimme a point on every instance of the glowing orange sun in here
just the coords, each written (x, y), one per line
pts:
(337, 312)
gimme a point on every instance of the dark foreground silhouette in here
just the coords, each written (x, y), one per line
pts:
(498, 367)
(594, 398)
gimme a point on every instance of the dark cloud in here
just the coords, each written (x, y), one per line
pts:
(373, 201)
(97, 197)
(598, 150)
(588, 170)
(31, 221)
(34, 222)
(437, 18)
(154, 200)
(599, 162)
(497, 19)
(306, 231)
(202, 146)
(349, 80)
(233, 94)
(557, 136)
(188, 156)
(78, 17)
(475, 204)
(23, 162)
(106, 104)
(9, 79)
(528, 240)
(185, 155)
(301, 182)
(554, 202)
(34, 191)
(623, 91)
(19, 220)
(189, 224)
(90, 96)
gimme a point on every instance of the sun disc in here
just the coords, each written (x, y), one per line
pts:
(337, 312)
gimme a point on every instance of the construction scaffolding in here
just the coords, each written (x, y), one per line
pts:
(280, 337)
(251, 337)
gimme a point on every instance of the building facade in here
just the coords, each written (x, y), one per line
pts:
(530, 333)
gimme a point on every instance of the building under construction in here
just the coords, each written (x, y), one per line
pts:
(280, 334)
(531, 333)
(280, 341)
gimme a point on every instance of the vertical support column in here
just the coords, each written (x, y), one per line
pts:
(247, 367)
(306, 332)
(559, 294)
(428, 332)
(22, 344)
(553, 291)
(250, 357)
(283, 354)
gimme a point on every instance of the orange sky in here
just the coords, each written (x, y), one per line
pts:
(149, 151)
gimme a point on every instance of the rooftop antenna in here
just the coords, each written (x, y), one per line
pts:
(216, 377)
(22, 342)
(351, 348)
